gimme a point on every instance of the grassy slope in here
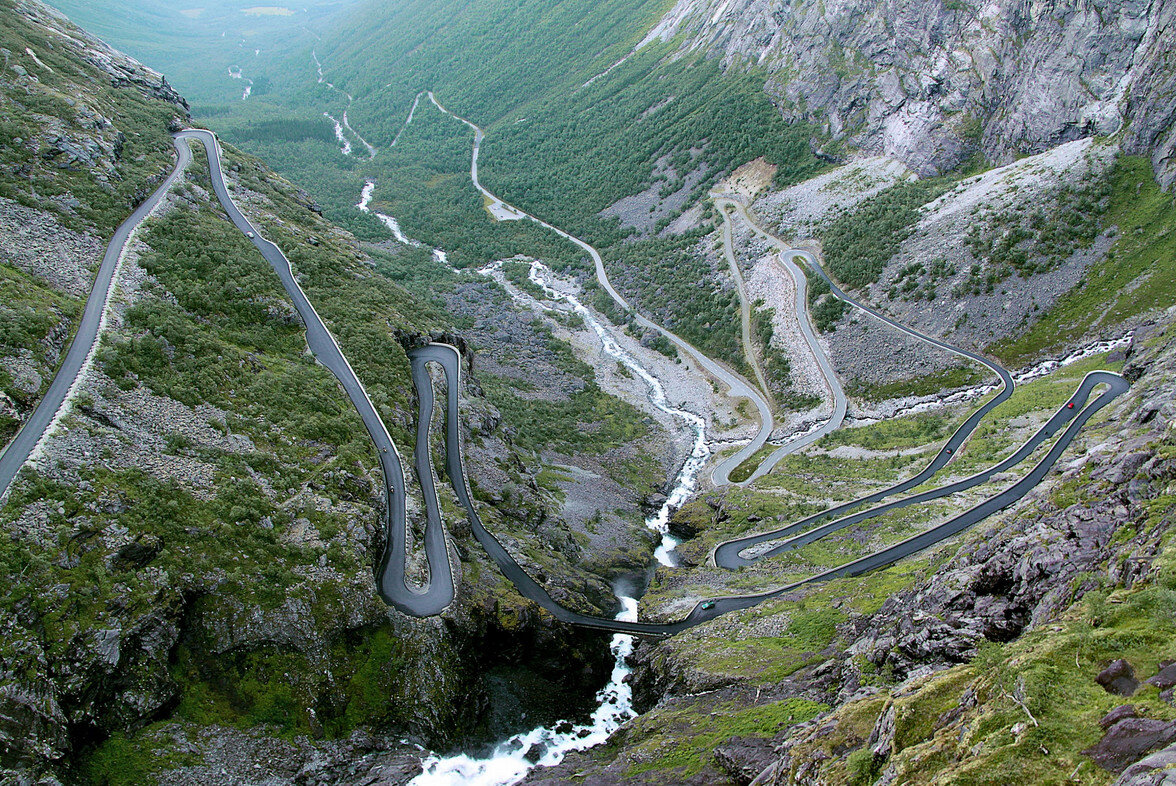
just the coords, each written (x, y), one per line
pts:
(487, 57)
(1135, 278)
(31, 309)
(222, 347)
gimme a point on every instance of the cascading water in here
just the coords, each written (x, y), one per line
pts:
(236, 73)
(365, 199)
(512, 759)
(339, 135)
(700, 453)
(365, 196)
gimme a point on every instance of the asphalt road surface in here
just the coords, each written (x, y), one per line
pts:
(737, 386)
(721, 475)
(85, 340)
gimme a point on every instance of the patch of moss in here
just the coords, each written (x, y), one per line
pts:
(684, 739)
(123, 760)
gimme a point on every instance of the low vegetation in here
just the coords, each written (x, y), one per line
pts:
(1133, 279)
(858, 244)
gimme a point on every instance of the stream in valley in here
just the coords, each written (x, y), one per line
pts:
(687, 479)
(510, 760)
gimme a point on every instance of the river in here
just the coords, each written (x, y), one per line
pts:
(512, 759)
(700, 453)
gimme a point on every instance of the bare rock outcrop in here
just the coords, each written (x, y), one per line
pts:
(931, 83)
(122, 70)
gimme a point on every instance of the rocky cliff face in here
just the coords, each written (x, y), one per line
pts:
(933, 82)
(121, 70)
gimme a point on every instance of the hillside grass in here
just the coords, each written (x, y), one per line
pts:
(90, 199)
(30, 312)
(1135, 278)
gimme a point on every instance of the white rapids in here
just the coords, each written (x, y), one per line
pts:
(545, 746)
(700, 453)
(339, 135)
(236, 73)
(365, 200)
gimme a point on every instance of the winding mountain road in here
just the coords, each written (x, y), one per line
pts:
(85, 340)
(1077, 417)
(729, 554)
(749, 352)
(392, 581)
(721, 475)
(439, 592)
(1073, 415)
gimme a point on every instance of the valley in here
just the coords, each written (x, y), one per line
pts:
(780, 440)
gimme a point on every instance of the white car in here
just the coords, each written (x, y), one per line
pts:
(249, 235)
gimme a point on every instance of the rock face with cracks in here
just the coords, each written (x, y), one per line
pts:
(932, 83)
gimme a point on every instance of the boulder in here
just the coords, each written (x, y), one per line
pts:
(1166, 678)
(743, 758)
(1128, 740)
(1119, 713)
(1154, 770)
(1118, 678)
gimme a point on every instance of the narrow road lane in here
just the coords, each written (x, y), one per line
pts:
(749, 351)
(737, 386)
(393, 586)
(722, 473)
(728, 554)
(85, 340)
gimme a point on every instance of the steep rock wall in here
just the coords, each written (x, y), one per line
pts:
(932, 82)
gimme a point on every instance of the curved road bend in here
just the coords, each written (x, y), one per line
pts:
(450, 361)
(18, 451)
(790, 253)
(440, 591)
(888, 556)
(722, 473)
(391, 579)
(727, 553)
(749, 352)
(738, 386)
